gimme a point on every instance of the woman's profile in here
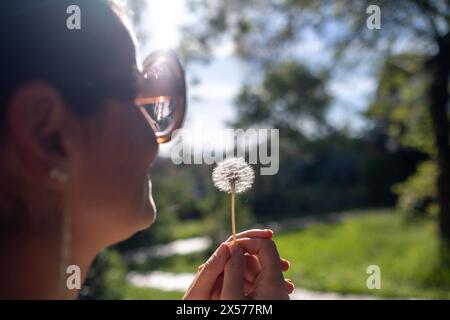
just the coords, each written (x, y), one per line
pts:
(76, 153)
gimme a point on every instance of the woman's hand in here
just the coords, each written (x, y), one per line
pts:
(249, 269)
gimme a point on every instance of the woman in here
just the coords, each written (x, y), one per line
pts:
(75, 151)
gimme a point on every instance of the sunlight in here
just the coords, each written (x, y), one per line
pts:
(164, 20)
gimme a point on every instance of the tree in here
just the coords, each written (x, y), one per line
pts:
(268, 31)
(400, 110)
(317, 161)
(291, 96)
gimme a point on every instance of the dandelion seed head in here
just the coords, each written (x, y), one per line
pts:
(233, 171)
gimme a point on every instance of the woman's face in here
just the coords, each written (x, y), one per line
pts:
(108, 183)
(108, 187)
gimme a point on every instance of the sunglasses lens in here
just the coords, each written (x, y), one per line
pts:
(162, 111)
(163, 93)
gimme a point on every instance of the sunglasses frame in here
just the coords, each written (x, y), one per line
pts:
(176, 89)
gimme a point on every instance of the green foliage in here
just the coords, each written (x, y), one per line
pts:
(417, 195)
(290, 96)
(106, 277)
(260, 42)
(317, 162)
(400, 109)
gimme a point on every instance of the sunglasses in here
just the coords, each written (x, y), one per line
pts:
(162, 93)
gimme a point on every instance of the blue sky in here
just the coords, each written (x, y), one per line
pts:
(221, 79)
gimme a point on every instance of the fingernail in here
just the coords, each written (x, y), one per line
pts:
(235, 248)
(221, 248)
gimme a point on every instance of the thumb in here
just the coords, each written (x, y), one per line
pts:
(233, 280)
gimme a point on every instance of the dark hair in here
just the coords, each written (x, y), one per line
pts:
(35, 44)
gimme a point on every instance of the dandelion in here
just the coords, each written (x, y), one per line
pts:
(233, 176)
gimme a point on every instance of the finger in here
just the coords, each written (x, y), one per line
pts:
(266, 251)
(248, 287)
(252, 268)
(284, 264)
(217, 290)
(233, 280)
(253, 233)
(289, 285)
(203, 284)
(248, 283)
(251, 272)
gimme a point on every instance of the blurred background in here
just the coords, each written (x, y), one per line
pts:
(364, 174)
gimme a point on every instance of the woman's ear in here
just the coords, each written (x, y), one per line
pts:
(35, 132)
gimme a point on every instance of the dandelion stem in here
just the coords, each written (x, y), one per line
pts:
(233, 220)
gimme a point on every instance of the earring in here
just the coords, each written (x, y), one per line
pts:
(58, 175)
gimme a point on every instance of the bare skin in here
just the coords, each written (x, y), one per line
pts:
(106, 194)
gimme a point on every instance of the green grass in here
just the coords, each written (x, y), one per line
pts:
(131, 292)
(335, 257)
